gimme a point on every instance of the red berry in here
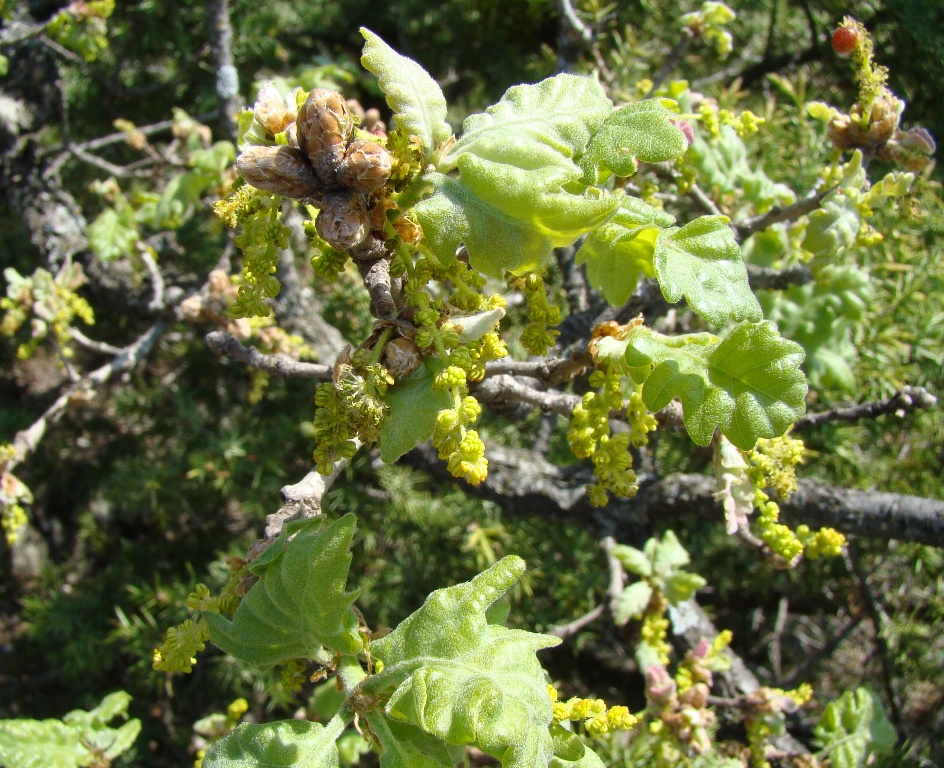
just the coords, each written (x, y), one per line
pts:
(844, 40)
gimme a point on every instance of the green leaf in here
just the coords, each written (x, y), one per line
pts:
(40, 744)
(620, 252)
(299, 603)
(632, 559)
(497, 240)
(557, 115)
(281, 744)
(465, 681)
(570, 751)
(642, 131)
(670, 555)
(681, 585)
(411, 415)
(748, 385)
(406, 746)
(723, 164)
(418, 104)
(70, 742)
(702, 262)
(853, 728)
(113, 234)
(632, 601)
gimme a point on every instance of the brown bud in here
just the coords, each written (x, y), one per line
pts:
(366, 166)
(281, 170)
(342, 222)
(271, 110)
(884, 120)
(325, 125)
(401, 357)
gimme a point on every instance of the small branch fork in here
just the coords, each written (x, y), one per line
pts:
(27, 440)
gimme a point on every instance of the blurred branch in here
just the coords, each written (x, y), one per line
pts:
(748, 227)
(551, 370)
(227, 345)
(227, 78)
(769, 278)
(26, 441)
(904, 400)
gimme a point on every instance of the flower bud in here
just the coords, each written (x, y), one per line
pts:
(366, 166)
(401, 357)
(342, 222)
(271, 110)
(325, 125)
(281, 170)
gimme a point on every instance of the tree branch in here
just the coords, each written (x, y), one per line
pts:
(227, 345)
(904, 400)
(748, 227)
(27, 440)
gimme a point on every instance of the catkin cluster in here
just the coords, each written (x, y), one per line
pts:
(324, 165)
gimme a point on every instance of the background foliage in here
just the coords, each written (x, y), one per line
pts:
(181, 459)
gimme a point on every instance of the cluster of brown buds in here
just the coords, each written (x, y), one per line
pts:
(322, 164)
(685, 714)
(881, 137)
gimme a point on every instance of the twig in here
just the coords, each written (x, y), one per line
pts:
(26, 441)
(227, 345)
(157, 279)
(769, 278)
(904, 400)
(96, 346)
(551, 371)
(573, 627)
(376, 276)
(748, 227)
(803, 670)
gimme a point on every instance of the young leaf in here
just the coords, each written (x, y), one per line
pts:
(68, 743)
(40, 744)
(619, 252)
(497, 240)
(702, 262)
(748, 385)
(632, 601)
(853, 727)
(642, 131)
(299, 603)
(570, 751)
(411, 416)
(417, 101)
(113, 234)
(560, 113)
(465, 681)
(285, 743)
(406, 746)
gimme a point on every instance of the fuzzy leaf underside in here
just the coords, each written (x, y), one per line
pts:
(465, 681)
(748, 385)
(640, 131)
(406, 746)
(418, 104)
(559, 115)
(280, 744)
(299, 604)
(620, 252)
(702, 263)
(486, 216)
(411, 415)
